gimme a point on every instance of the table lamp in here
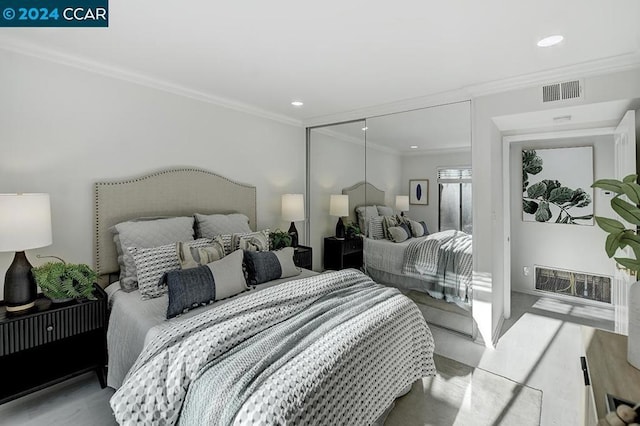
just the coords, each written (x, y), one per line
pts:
(25, 223)
(402, 204)
(293, 210)
(339, 206)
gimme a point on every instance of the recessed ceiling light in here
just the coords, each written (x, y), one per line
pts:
(364, 129)
(297, 103)
(414, 147)
(550, 41)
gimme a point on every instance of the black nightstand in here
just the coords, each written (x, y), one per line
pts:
(341, 254)
(303, 257)
(51, 343)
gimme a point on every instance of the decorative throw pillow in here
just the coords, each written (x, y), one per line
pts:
(364, 214)
(208, 226)
(398, 234)
(254, 241)
(191, 257)
(146, 233)
(190, 288)
(384, 211)
(416, 228)
(151, 263)
(376, 230)
(263, 266)
(389, 222)
(424, 225)
(406, 228)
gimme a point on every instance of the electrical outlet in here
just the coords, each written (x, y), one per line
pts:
(526, 270)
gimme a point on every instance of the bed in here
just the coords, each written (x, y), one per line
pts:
(433, 270)
(332, 348)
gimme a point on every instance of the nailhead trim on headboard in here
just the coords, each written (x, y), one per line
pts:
(193, 190)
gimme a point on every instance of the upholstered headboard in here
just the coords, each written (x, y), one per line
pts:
(169, 192)
(360, 194)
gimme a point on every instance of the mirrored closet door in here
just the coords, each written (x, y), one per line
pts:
(336, 160)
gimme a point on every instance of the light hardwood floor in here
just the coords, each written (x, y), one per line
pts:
(540, 347)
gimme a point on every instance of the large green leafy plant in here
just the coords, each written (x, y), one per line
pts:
(625, 203)
(61, 280)
(537, 198)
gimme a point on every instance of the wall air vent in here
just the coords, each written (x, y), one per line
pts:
(562, 91)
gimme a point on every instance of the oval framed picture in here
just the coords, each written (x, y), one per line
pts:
(419, 192)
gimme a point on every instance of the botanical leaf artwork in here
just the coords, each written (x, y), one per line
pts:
(549, 200)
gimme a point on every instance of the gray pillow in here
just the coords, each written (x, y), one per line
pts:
(146, 233)
(398, 234)
(208, 226)
(416, 228)
(252, 241)
(384, 211)
(190, 288)
(263, 266)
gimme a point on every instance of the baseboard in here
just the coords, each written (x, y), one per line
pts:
(564, 298)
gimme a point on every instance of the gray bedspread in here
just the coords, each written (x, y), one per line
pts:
(331, 349)
(445, 257)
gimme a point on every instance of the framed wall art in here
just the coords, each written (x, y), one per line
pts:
(556, 185)
(419, 192)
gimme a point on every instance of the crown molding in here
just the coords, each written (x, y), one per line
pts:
(405, 105)
(28, 49)
(610, 65)
(613, 64)
(356, 141)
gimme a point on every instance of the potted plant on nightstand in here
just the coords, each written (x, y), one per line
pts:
(62, 282)
(625, 203)
(279, 239)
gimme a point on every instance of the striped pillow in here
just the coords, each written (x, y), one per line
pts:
(253, 241)
(192, 257)
(376, 231)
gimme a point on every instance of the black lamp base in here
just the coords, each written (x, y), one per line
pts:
(294, 235)
(340, 229)
(20, 290)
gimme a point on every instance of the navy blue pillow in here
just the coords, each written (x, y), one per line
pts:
(188, 289)
(262, 266)
(424, 225)
(406, 228)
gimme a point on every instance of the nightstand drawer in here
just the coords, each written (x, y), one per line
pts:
(30, 331)
(352, 245)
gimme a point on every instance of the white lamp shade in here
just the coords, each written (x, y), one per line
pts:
(339, 205)
(25, 221)
(402, 203)
(293, 207)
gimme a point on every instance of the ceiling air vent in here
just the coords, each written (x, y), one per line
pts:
(562, 91)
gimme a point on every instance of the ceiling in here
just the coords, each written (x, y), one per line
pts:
(337, 56)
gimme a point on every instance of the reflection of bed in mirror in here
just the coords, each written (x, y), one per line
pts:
(434, 270)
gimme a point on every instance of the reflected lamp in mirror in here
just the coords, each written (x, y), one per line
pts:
(402, 204)
(25, 223)
(339, 206)
(292, 211)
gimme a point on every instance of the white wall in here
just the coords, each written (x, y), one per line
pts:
(573, 247)
(487, 181)
(425, 166)
(62, 129)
